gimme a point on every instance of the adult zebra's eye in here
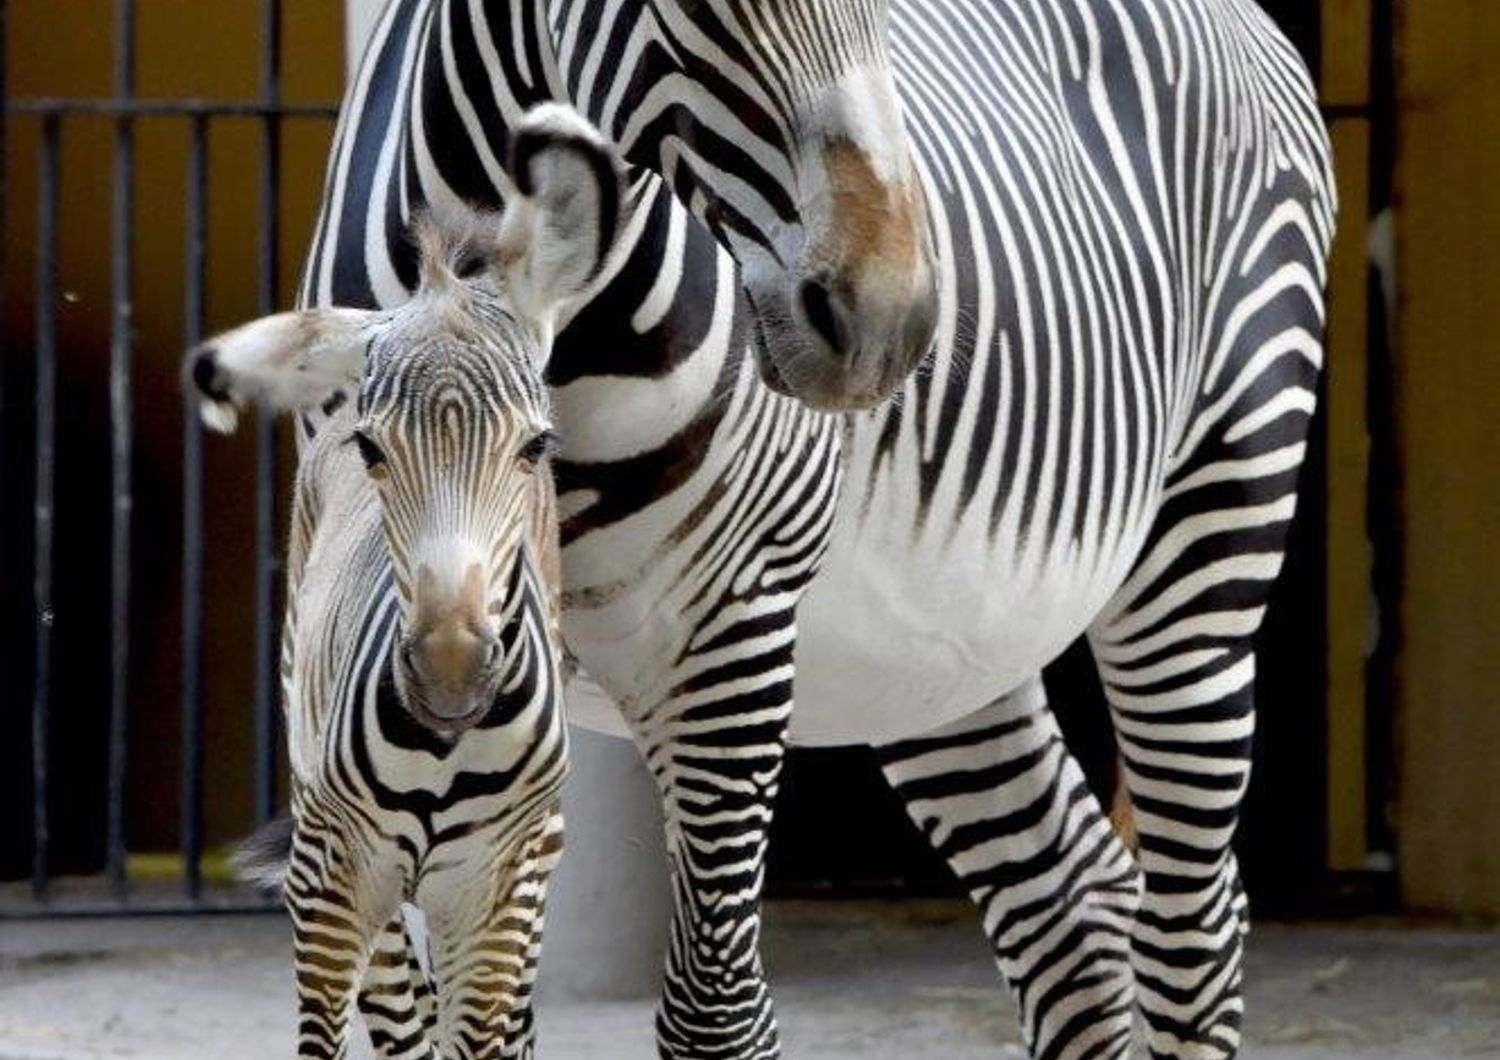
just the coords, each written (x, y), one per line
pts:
(539, 448)
(369, 452)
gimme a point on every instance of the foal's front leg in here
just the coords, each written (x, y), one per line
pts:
(395, 998)
(328, 894)
(486, 940)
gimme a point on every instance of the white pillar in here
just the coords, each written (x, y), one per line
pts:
(609, 903)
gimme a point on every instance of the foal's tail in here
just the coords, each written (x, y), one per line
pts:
(261, 860)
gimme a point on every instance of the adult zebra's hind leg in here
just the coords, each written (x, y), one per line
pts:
(1180, 684)
(1000, 797)
(1177, 657)
(1175, 649)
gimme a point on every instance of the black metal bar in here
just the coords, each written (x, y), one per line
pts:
(5, 586)
(207, 906)
(168, 108)
(122, 239)
(266, 455)
(46, 412)
(4, 222)
(192, 522)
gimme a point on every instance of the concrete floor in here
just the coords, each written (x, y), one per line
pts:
(908, 980)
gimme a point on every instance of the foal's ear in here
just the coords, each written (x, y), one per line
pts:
(560, 227)
(290, 361)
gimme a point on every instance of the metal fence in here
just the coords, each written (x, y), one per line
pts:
(51, 119)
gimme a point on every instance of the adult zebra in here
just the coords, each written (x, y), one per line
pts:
(1129, 208)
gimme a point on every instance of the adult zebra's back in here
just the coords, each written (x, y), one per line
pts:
(1129, 208)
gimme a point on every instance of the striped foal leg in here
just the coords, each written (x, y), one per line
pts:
(396, 999)
(1002, 799)
(486, 938)
(715, 747)
(525, 909)
(332, 938)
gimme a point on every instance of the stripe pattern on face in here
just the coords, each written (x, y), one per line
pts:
(450, 415)
(1130, 207)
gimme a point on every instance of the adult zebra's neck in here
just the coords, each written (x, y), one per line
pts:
(426, 122)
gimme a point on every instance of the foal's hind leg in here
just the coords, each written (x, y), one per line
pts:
(395, 998)
(999, 796)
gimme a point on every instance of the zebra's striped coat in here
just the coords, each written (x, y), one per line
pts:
(421, 655)
(1130, 207)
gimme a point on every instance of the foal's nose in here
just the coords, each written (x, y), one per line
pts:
(452, 653)
(449, 662)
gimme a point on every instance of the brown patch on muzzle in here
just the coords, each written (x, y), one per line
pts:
(875, 224)
(449, 634)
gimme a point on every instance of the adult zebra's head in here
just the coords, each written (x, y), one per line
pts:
(781, 127)
(452, 420)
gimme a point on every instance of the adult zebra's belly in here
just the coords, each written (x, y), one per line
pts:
(924, 610)
(893, 642)
(927, 609)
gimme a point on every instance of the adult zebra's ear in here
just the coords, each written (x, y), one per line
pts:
(290, 361)
(558, 230)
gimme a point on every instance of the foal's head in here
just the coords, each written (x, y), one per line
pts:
(453, 418)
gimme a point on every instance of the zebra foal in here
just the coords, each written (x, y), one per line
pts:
(420, 659)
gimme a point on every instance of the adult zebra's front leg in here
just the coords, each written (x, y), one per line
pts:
(1001, 798)
(715, 745)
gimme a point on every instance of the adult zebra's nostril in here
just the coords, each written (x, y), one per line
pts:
(818, 305)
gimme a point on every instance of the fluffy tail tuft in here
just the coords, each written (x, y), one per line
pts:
(261, 860)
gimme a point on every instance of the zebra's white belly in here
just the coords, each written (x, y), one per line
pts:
(890, 647)
(901, 633)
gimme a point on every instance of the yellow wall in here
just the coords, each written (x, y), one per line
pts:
(1449, 393)
(203, 48)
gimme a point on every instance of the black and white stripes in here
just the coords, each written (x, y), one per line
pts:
(1108, 222)
(421, 663)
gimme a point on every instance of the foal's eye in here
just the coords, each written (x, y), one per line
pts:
(369, 452)
(469, 266)
(539, 448)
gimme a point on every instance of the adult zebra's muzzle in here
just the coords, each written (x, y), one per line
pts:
(844, 327)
